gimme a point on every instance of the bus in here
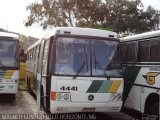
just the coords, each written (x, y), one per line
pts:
(71, 70)
(9, 64)
(141, 64)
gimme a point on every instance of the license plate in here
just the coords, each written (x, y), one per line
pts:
(88, 109)
(1, 86)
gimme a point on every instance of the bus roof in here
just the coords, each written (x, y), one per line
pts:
(76, 31)
(141, 36)
(5, 34)
(33, 45)
(80, 31)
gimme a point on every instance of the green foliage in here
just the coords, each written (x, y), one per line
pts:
(122, 15)
(22, 85)
(107, 29)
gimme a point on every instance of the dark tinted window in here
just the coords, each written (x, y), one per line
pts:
(9, 53)
(154, 48)
(123, 52)
(143, 51)
(131, 49)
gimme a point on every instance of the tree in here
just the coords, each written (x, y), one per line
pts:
(121, 15)
(51, 12)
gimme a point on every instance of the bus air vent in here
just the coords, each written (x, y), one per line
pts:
(111, 35)
(67, 32)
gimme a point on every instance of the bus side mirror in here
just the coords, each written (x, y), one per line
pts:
(23, 57)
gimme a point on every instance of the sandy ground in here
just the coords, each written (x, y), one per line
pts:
(23, 107)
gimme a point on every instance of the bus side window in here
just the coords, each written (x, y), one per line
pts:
(154, 47)
(123, 52)
(143, 51)
(45, 57)
(37, 57)
(131, 52)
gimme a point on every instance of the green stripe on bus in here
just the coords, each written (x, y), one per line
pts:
(105, 86)
(130, 75)
(94, 86)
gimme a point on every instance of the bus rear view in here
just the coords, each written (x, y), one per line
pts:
(77, 73)
(9, 64)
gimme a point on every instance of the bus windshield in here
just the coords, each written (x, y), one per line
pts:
(8, 53)
(102, 55)
(83, 56)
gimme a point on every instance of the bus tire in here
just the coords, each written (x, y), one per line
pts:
(12, 97)
(152, 105)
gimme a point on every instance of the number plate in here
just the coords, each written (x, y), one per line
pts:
(88, 109)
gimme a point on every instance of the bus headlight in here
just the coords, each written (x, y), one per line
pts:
(59, 96)
(63, 96)
(119, 97)
(112, 97)
(115, 97)
(66, 96)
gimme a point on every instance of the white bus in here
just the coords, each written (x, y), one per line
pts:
(71, 70)
(141, 62)
(9, 63)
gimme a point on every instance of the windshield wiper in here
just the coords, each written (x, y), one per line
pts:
(79, 70)
(100, 67)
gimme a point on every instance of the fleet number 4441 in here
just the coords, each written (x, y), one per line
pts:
(68, 88)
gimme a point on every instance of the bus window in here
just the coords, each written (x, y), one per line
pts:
(155, 45)
(103, 52)
(143, 51)
(131, 49)
(69, 52)
(123, 52)
(8, 54)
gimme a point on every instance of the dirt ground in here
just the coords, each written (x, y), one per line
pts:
(23, 107)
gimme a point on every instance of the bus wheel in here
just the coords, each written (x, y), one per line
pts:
(152, 106)
(12, 97)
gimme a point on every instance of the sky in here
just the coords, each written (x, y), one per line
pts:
(154, 3)
(13, 13)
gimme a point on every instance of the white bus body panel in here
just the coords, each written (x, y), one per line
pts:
(138, 94)
(79, 99)
(71, 107)
(9, 80)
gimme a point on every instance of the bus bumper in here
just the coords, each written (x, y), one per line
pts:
(71, 107)
(8, 88)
